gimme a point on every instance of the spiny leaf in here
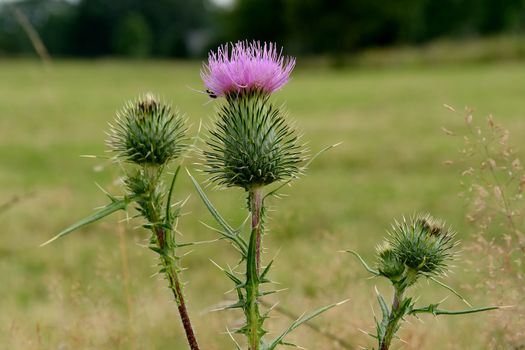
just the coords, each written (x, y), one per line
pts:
(170, 193)
(229, 233)
(384, 307)
(433, 309)
(280, 339)
(450, 289)
(262, 277)
(268, 292)
(109, 209)
(363, 262)
(237, 305)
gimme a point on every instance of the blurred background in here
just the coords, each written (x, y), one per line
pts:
(373, 75)
(188, 29)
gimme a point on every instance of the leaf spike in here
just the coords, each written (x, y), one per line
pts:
(120, 204)
(433, 279)
(363, 262)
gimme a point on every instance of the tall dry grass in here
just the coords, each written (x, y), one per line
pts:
(493, 180)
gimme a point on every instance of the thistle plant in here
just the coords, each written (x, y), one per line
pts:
(250, 146)
(421, 247)
(146, 137)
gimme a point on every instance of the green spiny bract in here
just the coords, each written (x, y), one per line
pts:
(145, 185)
(251, 145)
(147, 132)
(423, 244)
(389, 265)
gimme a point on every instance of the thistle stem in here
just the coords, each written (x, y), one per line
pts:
(393, 320)
(253, 317)
(176, 287)
(168, 259)
(256, 225)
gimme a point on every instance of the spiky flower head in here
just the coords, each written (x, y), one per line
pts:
(251, 145)
(147, 132)
(423, 244)
(245, 67)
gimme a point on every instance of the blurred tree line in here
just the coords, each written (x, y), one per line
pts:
(188, 28)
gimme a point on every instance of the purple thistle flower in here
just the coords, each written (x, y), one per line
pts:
(246, 66)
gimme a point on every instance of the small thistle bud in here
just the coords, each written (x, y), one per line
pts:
(424, 244)
(147, 132)
(252, 145)
(389, 264)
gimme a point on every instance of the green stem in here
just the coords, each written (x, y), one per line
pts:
(176, 287)
(168, 260)
(253, 316)
(393, 320)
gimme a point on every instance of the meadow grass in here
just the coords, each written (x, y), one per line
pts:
(95, 290)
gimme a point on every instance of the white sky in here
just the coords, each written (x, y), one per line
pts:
(224, 3)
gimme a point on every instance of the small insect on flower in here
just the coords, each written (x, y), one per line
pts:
(245, 67)
(211, 93)
(147, 131)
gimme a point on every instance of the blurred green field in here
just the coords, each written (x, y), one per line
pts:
(95, 290)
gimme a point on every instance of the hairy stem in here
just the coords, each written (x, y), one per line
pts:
(174, 284)
(253, 316)
(257, 225)
(168, 260)
(393, 320)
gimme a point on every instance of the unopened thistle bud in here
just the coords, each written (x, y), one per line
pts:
(389, 264)
(424, 244)
(147, 132)
(252, 145)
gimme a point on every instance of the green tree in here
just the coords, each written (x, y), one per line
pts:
(132, 36)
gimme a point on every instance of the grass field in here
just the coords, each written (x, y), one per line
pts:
(95, 290)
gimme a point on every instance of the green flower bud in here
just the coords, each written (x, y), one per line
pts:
(147, 131)
(251, 145)
(424, 244)
(389, 264)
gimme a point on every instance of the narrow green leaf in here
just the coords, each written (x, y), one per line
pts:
(156, 249)
(363, 262)
(210, 207)
(230, 232)
(262, 277)
(234, 278)
(432, 309)
(269, 292)
(280, 339)
(170, 193)
(237, 305)
(116, 205)
(450, 289)
(384, 307)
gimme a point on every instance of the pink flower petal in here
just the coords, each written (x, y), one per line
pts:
(246, 66)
